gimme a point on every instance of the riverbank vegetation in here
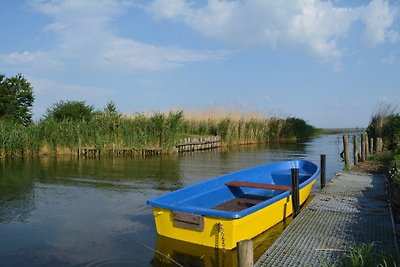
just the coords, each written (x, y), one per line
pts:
(108, 129)
(70, 125)
(385, 123)
(364, 256)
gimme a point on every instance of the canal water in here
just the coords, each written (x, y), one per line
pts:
(93, 212)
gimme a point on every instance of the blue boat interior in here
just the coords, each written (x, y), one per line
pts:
(214, 198)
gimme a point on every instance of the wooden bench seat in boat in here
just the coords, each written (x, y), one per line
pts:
(248, 200)
(241, 202)
(275, 187)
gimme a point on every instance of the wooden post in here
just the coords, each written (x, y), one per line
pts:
(346, 152)
(295, 191)
(323, 168)
(355, 149)
(362, 147)
(245, 253)
(379, 144)
(371, 145)
(366, 146)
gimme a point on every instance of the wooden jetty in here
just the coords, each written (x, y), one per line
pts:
(184, 145)
(96, 152)
(351, 209)
(202, 143)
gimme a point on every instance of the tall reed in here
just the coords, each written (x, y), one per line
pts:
(107, 131)
(379, 118)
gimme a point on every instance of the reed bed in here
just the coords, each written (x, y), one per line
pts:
(143, 131)
(378, 120)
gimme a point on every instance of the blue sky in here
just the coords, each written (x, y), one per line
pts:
(330, 63)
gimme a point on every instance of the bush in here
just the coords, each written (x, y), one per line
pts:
(70, 110)
(391, 132)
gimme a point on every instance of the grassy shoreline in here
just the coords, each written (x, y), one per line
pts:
(157, 131)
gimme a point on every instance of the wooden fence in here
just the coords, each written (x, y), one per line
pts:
(362, 149)
(184, 145)
(202, 143)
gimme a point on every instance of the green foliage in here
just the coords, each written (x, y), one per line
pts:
(70, 110)
(16, 99)
(111, 109)
(62, 131)
(165, 128)
(391, 132)
(275, 126)
(385, 123)
(297, 128)
(232, 131)
(379, 119)
(394, 172)
(364, 255)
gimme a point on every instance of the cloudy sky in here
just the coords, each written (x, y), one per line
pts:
(330, 63)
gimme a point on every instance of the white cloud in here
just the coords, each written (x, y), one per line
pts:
(378, 18)
(136, 55)
(39, 59)
(85, 40)
(319, 26)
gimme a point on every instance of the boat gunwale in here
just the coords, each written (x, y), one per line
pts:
(229, 214)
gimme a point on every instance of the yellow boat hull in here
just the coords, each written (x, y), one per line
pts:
(223, 232)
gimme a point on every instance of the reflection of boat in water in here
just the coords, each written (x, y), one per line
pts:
(173, 252)
(233, 207)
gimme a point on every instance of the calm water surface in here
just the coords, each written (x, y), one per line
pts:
(65, 212)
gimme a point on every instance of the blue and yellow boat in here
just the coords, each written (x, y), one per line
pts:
(237, 206)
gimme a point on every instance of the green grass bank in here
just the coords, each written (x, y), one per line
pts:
(162, 131)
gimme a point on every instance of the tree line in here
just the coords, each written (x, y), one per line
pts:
(69, 124)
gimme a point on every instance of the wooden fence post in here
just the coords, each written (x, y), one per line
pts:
(245, 253)
(366, 145)
(379, 144)
(323, 168)
(371, 145)
(355, 149)
(346, 152)
(362, 147)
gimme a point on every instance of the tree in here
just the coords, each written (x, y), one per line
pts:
(297, 128)
(16, 99)
(69, 110)
(111, 109)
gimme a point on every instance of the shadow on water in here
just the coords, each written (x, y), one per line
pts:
(171, 252)
(65, 212)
